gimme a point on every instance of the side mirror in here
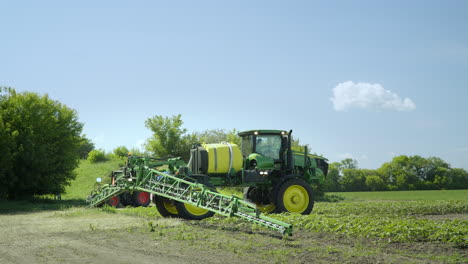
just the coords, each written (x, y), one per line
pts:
(98, 179)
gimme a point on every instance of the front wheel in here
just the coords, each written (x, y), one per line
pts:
(295, 196)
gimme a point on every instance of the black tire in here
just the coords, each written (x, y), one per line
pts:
(126, 199)
(166, 207)
(141, 198)
(295, 196)
(191, 212)
(264, 202)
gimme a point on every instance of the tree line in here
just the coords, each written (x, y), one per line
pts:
(401, 173)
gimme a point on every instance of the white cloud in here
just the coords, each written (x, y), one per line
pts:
(368, 96)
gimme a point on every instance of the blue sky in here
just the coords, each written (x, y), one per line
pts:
(397, 71)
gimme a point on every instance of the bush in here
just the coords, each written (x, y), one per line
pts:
(121, 151)
(39, 140)
(97, 155)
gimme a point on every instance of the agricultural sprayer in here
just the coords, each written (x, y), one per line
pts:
(276, 179)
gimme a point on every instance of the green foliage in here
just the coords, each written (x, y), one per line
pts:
(332, 181)
(353, 180)
(296, 146)
(41, 139)
(349, 164)
(232, 137)
(86, 145)
(97, 155)
(6, 146)
(121, 151)
(402, 173)
(169, 138)
(218, 136)
(138, 152)
(375, 183)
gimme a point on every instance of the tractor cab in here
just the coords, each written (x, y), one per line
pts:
(265, 149)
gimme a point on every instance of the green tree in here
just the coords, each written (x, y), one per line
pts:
(169, 139)
(296, 145)
(400, 172)
(137, 152)
(353, 180)
(97, 155)
(332, 181)
(459, 178)
(217, 136)
(232, 137)
(86, 145)
(6, 146)
(121, 151)
(349, 164)
(375, 183)
(44, 139)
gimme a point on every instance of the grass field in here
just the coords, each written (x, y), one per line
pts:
(379, 227)
(86, 178)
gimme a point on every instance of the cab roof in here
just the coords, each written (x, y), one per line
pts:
(261, 131)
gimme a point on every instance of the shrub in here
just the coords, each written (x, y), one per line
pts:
(97, 155)
(121, 151)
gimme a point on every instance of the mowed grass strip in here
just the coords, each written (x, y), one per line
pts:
(85, 180)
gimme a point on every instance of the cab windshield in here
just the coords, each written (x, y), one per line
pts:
(269, 146)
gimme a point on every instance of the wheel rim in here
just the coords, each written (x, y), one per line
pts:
(143, 197)
(114, 201)
(296, 199)
(192, 209)
(170, 207)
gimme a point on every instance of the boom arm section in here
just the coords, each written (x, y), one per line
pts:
(184, 189)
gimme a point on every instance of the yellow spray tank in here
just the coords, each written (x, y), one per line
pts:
(223, 158)
(216, 159)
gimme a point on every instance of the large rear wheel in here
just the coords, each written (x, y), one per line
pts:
(166, 207)
(193, 212)
(295, 196)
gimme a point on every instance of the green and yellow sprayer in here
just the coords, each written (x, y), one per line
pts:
(276, 179)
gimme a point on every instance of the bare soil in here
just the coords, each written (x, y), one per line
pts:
(79, 235)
